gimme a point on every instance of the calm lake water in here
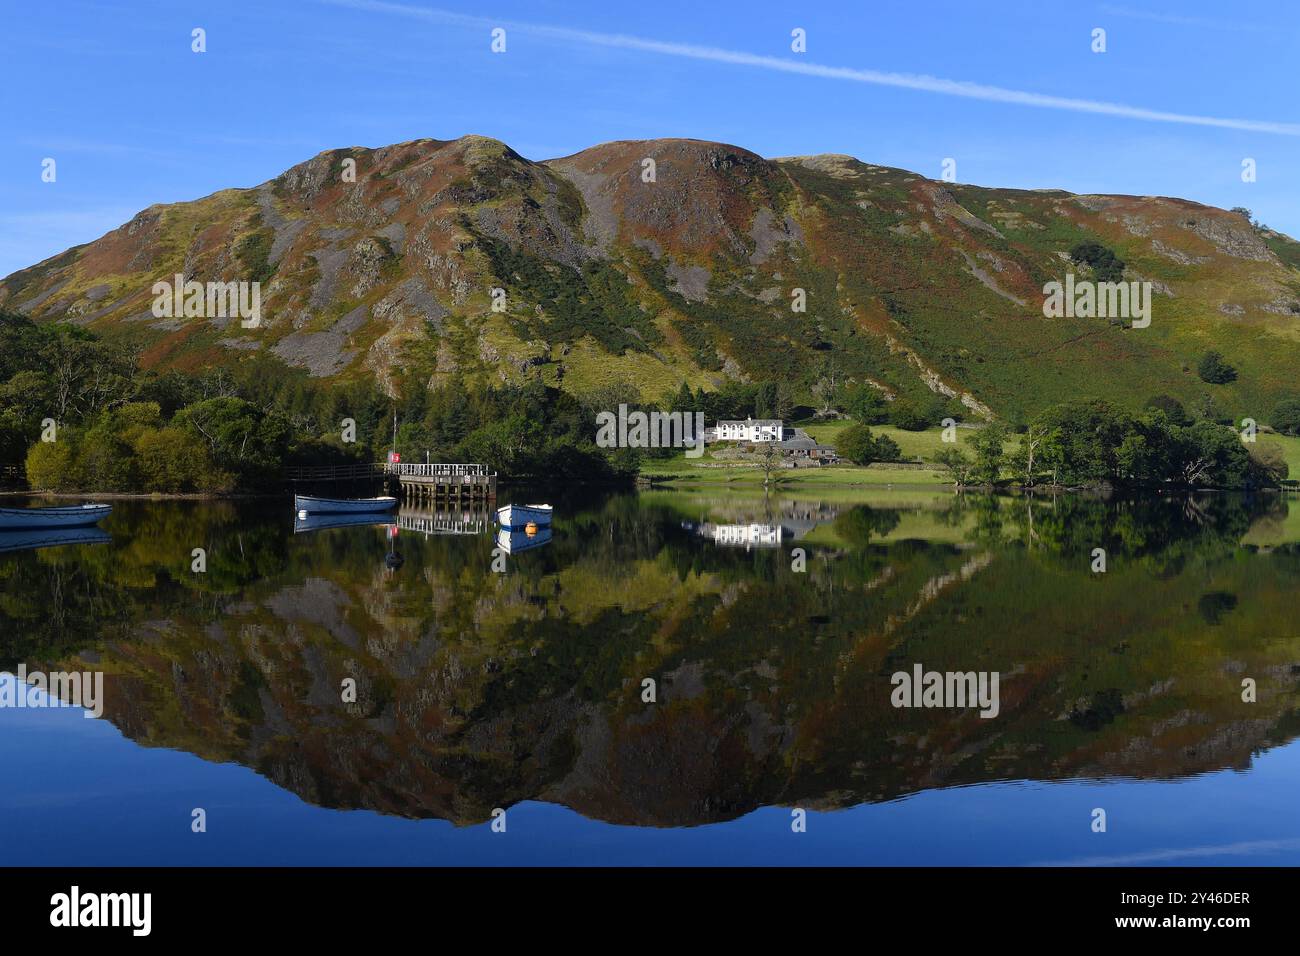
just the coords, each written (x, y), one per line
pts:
(510, 675)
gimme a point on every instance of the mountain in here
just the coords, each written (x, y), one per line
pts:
(911, 284)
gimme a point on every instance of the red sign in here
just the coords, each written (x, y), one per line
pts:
(394, 458)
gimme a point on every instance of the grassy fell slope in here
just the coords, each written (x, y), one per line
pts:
(615, 276)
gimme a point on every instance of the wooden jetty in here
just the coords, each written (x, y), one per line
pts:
(431, 482)
(457, 483)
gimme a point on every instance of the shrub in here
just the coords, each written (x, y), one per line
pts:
(1107, 266)
(887, 449)
(1286, 417)
(958, 466)
(1172, 408)
(858, 445)
(906, 415)
(175, 459)
(1213, 369)
(987, 444)
(866, 405)
(1268, 465)
(50, 464)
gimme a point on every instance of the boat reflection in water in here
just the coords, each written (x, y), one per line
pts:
(31, 538)
(324, 522)
(423, 521)
(513, 541)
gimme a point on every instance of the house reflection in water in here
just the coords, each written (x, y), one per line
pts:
(743, 535)
(784, 522)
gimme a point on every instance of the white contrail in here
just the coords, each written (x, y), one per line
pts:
(910, 81)
(1178, 20)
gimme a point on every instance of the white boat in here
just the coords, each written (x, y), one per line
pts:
(64, 516)
(520, 516)
(512, 541)
(342, 505)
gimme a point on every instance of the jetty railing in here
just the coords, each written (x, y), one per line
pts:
(438, 471)
(423, 481)
(434, 481)
(334, 472)
(448, 521)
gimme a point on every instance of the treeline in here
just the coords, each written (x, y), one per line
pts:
(1095, 442)
(522, 431)
(79, 414)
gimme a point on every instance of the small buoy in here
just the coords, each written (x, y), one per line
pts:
(530, 529)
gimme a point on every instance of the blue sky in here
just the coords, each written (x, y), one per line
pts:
(111, 90)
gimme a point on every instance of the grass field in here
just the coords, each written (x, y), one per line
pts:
(685, 472)
(697, 501)
(914, 446)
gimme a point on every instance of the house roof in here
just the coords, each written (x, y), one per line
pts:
(807, 444)
(773, 422)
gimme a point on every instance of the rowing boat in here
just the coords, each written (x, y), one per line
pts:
(520, 516)
(63, 516)
(342, 505)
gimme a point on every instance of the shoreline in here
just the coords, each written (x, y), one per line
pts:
(133, 496)
(811, 480)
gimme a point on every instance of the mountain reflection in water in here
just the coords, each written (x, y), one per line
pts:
(490, 675)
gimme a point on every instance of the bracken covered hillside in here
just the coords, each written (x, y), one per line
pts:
(911, 284)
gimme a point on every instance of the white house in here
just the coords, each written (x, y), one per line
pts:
(751, 429)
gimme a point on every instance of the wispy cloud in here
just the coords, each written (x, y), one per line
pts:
(909, 81)
(1179, 20)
